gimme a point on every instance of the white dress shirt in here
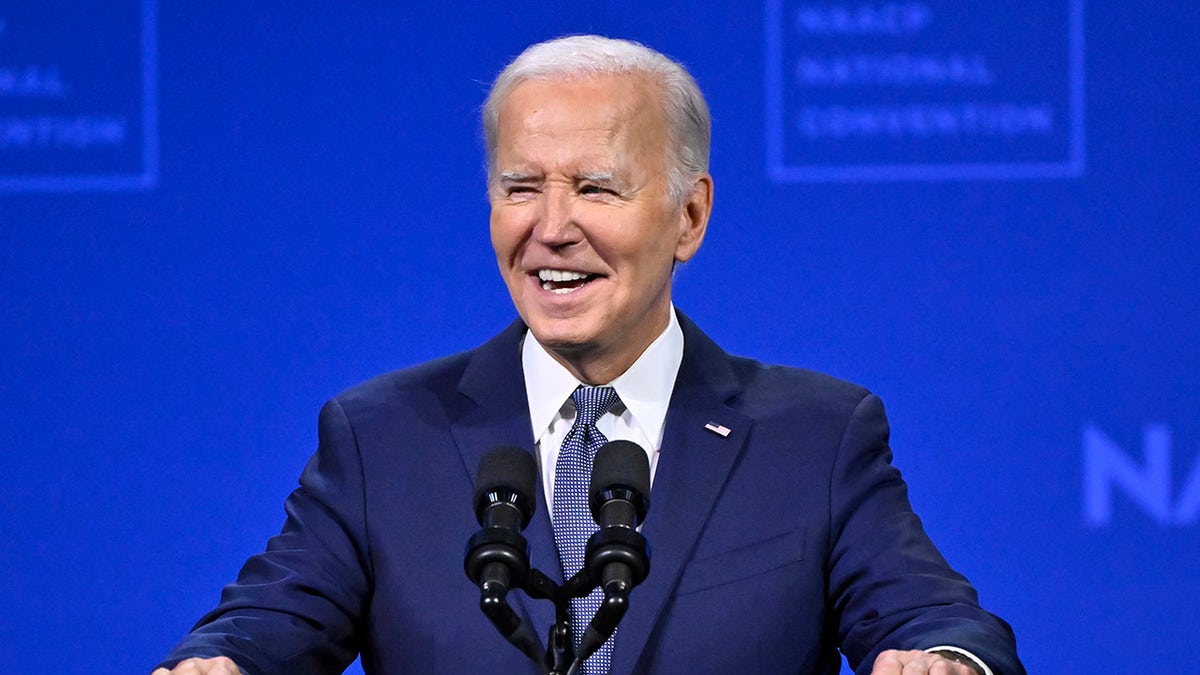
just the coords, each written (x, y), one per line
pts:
(644, 389)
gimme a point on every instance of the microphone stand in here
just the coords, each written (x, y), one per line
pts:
(607, 546)
(497, 560)
(561, 658)
(560, 649)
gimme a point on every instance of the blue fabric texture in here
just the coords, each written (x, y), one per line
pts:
(573, 522)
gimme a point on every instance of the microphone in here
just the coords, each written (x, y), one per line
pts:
(504, 488)
(620, 490)
(617, 559)
(497, 557)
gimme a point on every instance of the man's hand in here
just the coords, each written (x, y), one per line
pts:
(916, 662)
(220, 665)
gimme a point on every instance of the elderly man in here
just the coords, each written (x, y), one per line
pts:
(780, 531)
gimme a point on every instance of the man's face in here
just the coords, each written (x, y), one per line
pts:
(584, 229)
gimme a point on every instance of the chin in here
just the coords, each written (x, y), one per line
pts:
(561, 335)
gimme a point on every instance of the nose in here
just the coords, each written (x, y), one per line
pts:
(556, 227)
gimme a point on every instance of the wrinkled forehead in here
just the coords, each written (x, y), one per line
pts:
(603, 108)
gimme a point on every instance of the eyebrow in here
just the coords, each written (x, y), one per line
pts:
(607, 179)
(604, 177)
(518, 177)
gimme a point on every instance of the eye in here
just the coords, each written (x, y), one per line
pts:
(594, 190)
(520, 191)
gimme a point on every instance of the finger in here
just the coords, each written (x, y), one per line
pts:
(188, 667)
(919, 664)
(944, 666)
(223, 665)
(916, 662)
(888, 663)
(220, 665)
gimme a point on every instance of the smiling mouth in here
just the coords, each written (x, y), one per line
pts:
(561, 282)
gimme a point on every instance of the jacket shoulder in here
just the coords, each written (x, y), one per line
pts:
(772, 387)
(439, 386)
(759, 388)
(436, 379)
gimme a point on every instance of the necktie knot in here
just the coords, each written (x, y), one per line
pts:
(591, 403)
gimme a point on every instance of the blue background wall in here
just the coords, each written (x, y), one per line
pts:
(295, 202)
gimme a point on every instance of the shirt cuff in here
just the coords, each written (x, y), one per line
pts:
(959, 650)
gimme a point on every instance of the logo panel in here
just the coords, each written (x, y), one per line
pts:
(934, 90)
(78, 99)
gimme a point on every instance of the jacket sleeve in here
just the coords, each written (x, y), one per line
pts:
(889, 586)
(297, 607)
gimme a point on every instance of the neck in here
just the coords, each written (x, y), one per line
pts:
(592, 369)
(601, 362)
(593, 365)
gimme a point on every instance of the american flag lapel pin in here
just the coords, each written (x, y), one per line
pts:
(718, 429)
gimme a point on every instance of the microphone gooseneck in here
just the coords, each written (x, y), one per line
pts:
(497, 557)
(617, 557)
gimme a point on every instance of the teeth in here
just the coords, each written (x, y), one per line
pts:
(551, 277)
(560, 275)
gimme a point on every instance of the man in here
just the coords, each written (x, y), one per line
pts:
(780, 532)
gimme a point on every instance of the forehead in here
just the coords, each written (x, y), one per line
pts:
(601, 111)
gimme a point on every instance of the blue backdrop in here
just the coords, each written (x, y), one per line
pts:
(214, 216)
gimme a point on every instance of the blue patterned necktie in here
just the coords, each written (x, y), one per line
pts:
(573, 522)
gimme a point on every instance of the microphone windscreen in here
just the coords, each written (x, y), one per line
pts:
(621, 464)
(507, 469)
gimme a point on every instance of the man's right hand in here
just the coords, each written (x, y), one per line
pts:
(221, 665)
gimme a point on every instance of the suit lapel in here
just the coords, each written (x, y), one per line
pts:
(692, 469)
(493, 412)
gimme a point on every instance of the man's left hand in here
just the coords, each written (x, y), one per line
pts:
(916, 662)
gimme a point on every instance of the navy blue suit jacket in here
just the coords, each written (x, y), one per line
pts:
(770, 547)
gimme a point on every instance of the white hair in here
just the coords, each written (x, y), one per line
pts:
(688, 123)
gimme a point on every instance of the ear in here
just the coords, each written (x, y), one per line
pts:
(693, 218)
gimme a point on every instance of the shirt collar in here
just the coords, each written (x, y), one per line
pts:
(645, 388)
